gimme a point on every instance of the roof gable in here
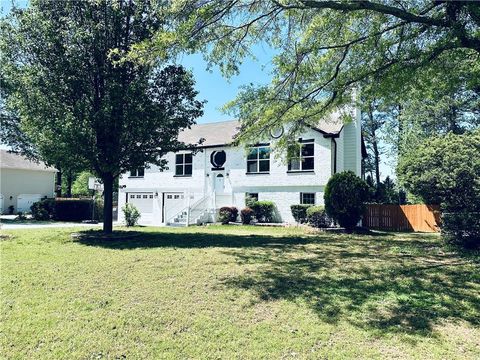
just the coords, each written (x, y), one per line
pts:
(12, 160)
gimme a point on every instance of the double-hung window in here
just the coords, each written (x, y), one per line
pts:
(183, 164)
(258, 159)
(301, 157)
(307, 198)
(140, 172)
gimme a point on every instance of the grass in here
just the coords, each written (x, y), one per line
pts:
(236, 292)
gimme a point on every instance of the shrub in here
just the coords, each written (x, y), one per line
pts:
(264, 211)
(131, 214)
(317, 217)
(345, 195)
(21, 216)
(461, 212)
(299, 212)
(11, 210)
(43, 210)
(227, 214)
(246, 215)
(461, 228)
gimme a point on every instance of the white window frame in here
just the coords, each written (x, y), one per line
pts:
(258, 160)
(135, 173)
(300, 157)
(307, 203)
(183, 164)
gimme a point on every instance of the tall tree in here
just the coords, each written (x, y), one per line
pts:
(324, 49)
(73, 92)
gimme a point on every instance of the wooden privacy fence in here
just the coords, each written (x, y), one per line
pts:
(425, 218)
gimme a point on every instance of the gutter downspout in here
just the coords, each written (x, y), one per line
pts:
(334, 156)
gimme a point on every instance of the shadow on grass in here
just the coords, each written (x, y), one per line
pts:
(389, 284)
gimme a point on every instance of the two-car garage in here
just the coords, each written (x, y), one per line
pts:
(144, 201)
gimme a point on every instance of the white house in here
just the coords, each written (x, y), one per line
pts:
(196, 185)
(23, 182)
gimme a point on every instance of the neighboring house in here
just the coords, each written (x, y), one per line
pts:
(23, 182)
(195, 186)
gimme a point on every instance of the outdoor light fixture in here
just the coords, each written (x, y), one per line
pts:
(156, 194)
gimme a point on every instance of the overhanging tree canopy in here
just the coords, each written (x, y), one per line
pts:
(72, 95)
(324, 49)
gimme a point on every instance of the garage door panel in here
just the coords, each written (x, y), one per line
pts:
(25, 201)
(142, 201)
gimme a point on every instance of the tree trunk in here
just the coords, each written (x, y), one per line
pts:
(69, 184)
(376, 159)
(58, 188)
(108, 203)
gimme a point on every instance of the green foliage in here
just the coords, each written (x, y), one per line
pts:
(131, 214)
(317, 217)
(80, 184)
(11, 210)
(73, 209)
(345, 195)
(264, 211)
(446, 170)
(249, 201)
(299, 212)
(323, 49)
(247, 215)
(43, 210)
(78, 101)
(432, 171)
(227, 214)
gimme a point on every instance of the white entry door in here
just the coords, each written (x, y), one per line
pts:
(219, 184)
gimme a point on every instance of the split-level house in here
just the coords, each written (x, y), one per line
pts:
(217, 174)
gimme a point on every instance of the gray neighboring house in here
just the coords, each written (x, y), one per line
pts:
(23, 182)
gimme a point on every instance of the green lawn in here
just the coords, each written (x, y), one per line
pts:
(236, 292)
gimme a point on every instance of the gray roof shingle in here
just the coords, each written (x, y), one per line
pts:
(222, 133)
(11, 160)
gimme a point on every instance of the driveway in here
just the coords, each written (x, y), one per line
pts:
(8, 222)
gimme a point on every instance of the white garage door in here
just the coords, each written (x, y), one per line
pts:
(142, 201)
(24, 201)
(173, 204)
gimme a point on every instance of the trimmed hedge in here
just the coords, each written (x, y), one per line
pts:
(299, 212)
(246, 215)
(317, 217)
(264, 211)
(67, 209)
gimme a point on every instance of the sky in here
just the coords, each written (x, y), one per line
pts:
(216, 89)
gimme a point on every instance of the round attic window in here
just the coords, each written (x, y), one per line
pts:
(276, 132)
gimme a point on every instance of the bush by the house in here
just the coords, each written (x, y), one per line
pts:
(299, 212)
(21, 216)
(227, 214)
(264, 211)
(131, 214)
(317, 217)
(43, 209)
(11, 210)
(246, 215)
(345, 195)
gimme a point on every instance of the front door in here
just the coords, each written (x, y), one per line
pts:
(219, 184)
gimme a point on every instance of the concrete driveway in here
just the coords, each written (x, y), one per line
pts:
(8, 222)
